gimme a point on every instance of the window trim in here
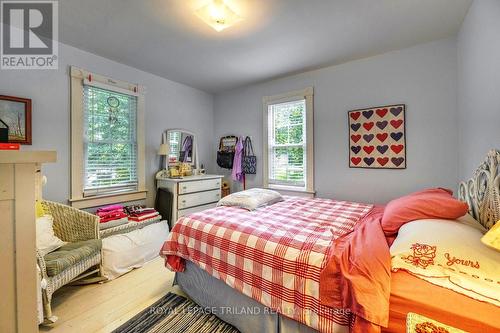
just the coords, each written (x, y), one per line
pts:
(78, 76)
(307, 94)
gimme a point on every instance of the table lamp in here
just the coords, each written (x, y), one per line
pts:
(164, 151)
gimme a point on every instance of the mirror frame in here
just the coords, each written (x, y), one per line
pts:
(196, 162)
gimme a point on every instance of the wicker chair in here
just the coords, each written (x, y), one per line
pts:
(73, 226)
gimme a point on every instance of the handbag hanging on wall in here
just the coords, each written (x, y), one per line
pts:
(249, 164)
(225, 154)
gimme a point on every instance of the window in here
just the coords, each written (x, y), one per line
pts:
(110, 141)
(288, 143)
(107, 140)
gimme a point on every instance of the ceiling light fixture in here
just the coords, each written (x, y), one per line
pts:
(218, 15)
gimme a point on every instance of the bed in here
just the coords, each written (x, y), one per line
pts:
(250, 313)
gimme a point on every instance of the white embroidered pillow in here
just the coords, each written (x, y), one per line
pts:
(449, 254)
(46, 240)
(251, 199)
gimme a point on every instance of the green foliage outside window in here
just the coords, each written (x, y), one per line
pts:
(289, 138)
(111, 145)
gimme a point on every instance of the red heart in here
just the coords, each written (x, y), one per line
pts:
(382, 136)
(355, 138)
(381, 112)
(397, 148)
(368, 149)
(355, 160)
(355, 115)
(396, 123)
(368, 126)
(382, 161)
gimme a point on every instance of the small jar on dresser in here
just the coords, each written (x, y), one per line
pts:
(191, 194)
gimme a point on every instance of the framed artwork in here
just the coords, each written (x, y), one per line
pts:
(377, 137)
(16, 113)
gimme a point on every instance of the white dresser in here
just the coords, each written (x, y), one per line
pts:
(192, 194)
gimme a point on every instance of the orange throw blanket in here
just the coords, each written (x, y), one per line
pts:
(358, 274)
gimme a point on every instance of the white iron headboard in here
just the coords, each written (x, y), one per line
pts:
(482, 191)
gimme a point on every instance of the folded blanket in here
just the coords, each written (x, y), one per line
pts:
(143, 212)
(144, 217)
(113, 216)
(138, 209)
(110, 213)
(113, 223)
(110, 208)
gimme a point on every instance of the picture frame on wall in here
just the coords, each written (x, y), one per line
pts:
(16, 113)
(377, 137)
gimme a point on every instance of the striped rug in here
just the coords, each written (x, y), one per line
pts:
(175, 314)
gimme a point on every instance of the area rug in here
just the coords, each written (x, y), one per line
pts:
(175, 314)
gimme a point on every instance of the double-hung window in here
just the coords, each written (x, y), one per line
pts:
(107, 146)
(110, 141)
(288, 141)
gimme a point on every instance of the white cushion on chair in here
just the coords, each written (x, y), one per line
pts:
(46, 240)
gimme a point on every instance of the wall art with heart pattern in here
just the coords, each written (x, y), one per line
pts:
(377, 137)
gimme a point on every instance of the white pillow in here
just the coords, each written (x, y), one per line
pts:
(449, 254)
(46, 240)
(251, 199)
(467, 219)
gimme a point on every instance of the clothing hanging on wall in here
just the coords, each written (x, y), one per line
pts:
(237, 173)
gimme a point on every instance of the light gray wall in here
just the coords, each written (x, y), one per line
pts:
(168, 105)
(423, 77)
(479, 84)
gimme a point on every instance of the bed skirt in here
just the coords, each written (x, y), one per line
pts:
(241, 311)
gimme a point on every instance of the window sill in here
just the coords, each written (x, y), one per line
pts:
(95, 201)
(292, 190)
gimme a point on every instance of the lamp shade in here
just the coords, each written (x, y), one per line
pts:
(164, 149)
(492, 237)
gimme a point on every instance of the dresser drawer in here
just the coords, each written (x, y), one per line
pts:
(198, 199)
(199, 185)
(187, 211)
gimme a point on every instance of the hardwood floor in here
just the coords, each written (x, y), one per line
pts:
(104, 307)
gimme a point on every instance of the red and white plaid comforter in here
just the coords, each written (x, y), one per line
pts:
(274, 254)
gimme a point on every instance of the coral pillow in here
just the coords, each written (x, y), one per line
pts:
(436, 203)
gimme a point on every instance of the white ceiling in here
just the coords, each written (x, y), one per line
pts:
(276, 38)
